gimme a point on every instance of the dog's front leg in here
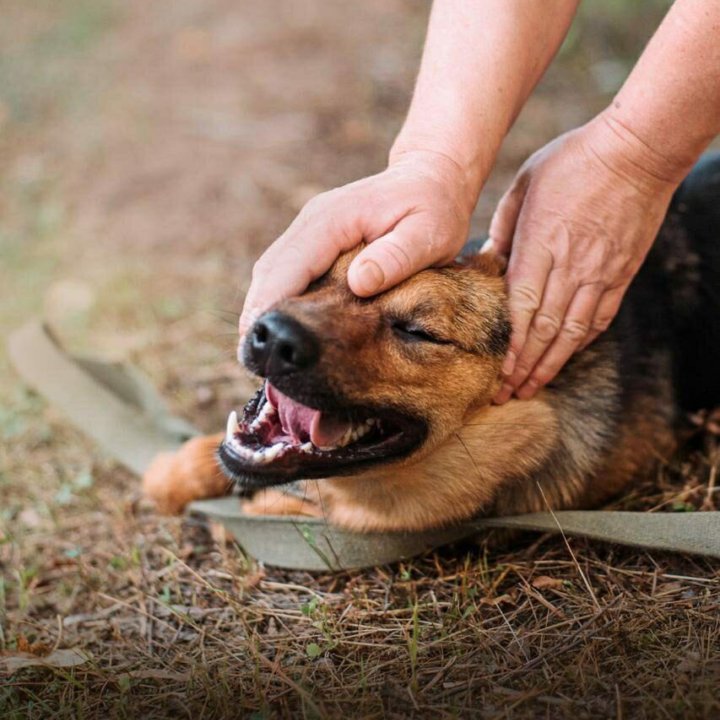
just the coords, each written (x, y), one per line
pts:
(175, 479)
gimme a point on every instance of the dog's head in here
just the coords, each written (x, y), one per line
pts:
(351, 383)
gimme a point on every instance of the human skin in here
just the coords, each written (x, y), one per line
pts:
(580, 216)
(480, 62)
(583, 211)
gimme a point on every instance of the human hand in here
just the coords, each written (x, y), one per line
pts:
(414, 214)
(577, 223)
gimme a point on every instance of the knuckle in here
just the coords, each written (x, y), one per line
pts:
(540, 377)
(314, 204)
(399, 256)
(601, 324)
(522, 370)
(261, 268)
(574, 330)
(526, 298)
(545, 326)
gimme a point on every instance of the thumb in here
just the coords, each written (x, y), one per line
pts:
(392, 258)
(505, 217)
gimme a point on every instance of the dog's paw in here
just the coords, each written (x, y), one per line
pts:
(175, 479)
(274, 501)
(159, 484)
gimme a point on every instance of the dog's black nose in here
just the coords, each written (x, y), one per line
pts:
(279, 345)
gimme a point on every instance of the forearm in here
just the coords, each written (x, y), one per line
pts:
(482, 59)
(668, 110)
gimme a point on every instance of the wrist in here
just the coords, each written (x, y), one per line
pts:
(464, 182)
(626, 151)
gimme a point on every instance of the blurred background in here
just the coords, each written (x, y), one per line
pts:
(150, 151)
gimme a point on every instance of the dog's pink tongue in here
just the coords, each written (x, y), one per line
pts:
(302, 423)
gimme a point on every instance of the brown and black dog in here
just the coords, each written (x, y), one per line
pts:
(387, 400)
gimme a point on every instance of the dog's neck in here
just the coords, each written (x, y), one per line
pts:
(459, 479)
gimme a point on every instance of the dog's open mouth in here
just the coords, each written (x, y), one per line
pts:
(279, 439)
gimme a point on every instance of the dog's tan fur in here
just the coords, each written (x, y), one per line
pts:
(608, 417)
(477, 457)
(175, 479)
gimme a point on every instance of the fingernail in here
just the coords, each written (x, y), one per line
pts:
(488, 246)
(527, 391)
(370, 277)
(509, 364)
(504, 394)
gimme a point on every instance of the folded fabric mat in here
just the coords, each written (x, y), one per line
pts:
(118, 407)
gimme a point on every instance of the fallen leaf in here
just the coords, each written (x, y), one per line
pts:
(506, 598)
(690, 663)
(544, 581)
(14, 661)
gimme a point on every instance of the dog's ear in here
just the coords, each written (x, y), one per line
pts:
(486, 260)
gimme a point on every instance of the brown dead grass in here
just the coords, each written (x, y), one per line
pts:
(149, 150)
(178, 624)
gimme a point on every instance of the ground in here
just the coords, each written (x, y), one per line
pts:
(148, 152)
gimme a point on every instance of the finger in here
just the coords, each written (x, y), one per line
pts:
(279, 273)
(546, 325)
(405, 250)
(527, 276)
(605, 313)
(504, 394)
(305, 251)
(505, 217)
(572, 334)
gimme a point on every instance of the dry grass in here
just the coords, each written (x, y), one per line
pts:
(148, 152)
(178, 624)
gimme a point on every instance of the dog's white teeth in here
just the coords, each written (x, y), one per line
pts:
(261, 457)
(268, 410)
(269, 454)
(268, 402)
(273, 452)
(232, 426)
(353, 434)
(266, 455)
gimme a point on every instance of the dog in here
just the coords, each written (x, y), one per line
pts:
(377, 413)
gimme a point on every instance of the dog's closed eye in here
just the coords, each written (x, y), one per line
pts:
(409, 331)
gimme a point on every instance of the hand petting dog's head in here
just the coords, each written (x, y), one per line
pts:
(352, 382)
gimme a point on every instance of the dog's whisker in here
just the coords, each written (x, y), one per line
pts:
(232, 320)
(511, 424)
(469, 454)
(320, 498)
(218, 312)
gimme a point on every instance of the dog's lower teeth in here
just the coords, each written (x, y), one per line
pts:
(272, 452)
